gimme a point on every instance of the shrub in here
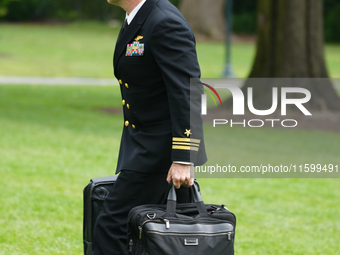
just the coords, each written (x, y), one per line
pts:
(20, 10)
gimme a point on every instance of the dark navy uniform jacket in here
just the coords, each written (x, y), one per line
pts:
(155, 88)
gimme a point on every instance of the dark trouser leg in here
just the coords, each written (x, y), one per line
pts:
(130, 190)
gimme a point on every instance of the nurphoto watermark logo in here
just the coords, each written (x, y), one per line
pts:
(267, 127)
(288, 96)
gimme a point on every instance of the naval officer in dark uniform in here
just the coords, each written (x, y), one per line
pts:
(162, 138)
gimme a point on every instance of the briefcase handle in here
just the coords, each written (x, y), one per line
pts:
(172, 201)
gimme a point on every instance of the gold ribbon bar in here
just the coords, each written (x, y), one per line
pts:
(188, 148)
(180, 139)
(187, 144)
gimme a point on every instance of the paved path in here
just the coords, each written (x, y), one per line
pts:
(22, 80)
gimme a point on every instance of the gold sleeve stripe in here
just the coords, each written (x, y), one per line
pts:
(188, 144)
(177, 147)
(180, 139)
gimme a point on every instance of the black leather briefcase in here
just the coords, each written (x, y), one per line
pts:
(190, 228)
(94, 195)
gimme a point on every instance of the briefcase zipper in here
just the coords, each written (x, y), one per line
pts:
(131, 246)
(228, 234)
(167, 226)
(140, 228)
(167, 223)
(140, 231)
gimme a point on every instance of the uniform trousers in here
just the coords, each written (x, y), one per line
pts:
(131, 189)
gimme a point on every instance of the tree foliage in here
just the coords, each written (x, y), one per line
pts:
(244, 13)
(244, 16)
(38, 10)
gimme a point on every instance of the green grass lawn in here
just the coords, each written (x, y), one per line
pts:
(86, 49)
(53, 139)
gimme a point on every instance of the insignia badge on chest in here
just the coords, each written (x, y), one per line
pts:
(135, 48)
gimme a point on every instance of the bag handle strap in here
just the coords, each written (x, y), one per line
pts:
(172, 201)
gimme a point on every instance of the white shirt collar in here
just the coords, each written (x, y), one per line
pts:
(134, 12)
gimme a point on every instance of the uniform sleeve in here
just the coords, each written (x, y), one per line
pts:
(174, 50)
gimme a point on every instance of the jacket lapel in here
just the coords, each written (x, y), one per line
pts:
(131, 30)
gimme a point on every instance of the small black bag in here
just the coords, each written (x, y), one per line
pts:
(189, 228)
(94, 195)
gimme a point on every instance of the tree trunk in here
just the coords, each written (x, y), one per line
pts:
(290, 45)
(290, 39)
(206, 17)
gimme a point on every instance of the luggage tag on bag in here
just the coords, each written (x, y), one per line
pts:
(135, 48)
